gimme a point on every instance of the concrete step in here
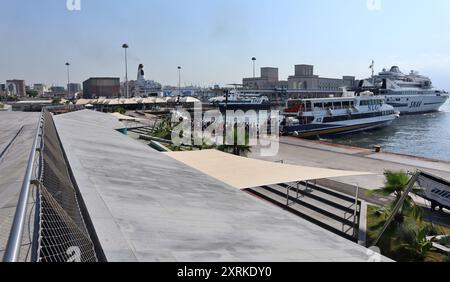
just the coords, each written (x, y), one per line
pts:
(306, 210)
(324, 196)
(141, 131)
(323, 203)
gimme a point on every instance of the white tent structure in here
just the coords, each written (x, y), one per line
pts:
(160, 101)
(149, 100)
(130, 101)
(172, 99)
(189, 100)
(83, 101)
(115, 102)
(243, 173)
(121, 117)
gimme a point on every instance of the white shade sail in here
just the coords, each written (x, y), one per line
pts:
(243, 173)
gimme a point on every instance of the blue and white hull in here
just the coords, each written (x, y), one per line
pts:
(328, 130)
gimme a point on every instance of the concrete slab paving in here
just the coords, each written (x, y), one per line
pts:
(12, 167)
(146, 206)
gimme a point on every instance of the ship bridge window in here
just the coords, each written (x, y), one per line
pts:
(328, 105)
(346, 104)
(371, 102)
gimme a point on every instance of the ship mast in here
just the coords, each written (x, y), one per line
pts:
(372, 66)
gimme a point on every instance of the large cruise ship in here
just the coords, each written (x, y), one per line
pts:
(408, 93)
(329, 117)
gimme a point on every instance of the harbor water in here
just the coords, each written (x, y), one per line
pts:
(423, 135)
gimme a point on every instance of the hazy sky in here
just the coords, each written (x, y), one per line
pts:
(214, 40)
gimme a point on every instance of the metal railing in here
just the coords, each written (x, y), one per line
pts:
(59, 229)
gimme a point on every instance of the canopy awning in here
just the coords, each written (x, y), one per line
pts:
(121, 117)
(243, 173)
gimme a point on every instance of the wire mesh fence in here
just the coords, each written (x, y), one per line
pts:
(63, 235)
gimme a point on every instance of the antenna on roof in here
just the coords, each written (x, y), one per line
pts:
(372, 66)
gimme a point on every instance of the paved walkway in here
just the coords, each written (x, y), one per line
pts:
(146, 206)
(13, 164)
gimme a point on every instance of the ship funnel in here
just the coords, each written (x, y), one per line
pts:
(141, 74)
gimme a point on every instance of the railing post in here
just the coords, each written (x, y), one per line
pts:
(287, 195)
(355, 213)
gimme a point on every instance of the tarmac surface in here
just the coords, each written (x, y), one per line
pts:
(146, 206)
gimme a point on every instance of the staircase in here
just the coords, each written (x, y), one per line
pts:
(142, 130)
(333, 211)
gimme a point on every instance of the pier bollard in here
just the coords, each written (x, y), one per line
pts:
(377, 148)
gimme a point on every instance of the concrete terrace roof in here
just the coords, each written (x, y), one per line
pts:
(13, 163)
(146, 206)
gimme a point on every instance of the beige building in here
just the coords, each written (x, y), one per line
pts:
(267, 80)
(305, 79)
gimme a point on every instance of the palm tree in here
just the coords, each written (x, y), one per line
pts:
(405, 238)
(163, 129)
(396, 184)
(236, 148)
(204, 144)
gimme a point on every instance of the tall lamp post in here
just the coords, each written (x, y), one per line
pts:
(254, 60)
(68, 79)
(179, 82)
(125, 47)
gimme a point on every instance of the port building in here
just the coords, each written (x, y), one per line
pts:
(303, 84)
(108, 87)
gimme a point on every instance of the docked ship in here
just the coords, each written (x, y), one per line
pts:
(237, 99)
(408, 93)
(329, 117)
(144, 87)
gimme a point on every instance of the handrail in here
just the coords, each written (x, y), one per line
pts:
(13, 246)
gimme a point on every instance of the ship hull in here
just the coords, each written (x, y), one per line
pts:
(313, 131)
(416, 104)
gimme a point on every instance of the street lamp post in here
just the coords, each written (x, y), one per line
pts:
(125, 47)
(254, 74)
(179, 82)
(68, 79)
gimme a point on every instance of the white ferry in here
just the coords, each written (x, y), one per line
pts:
(238, 99)
(408, 93)
(328, 117)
